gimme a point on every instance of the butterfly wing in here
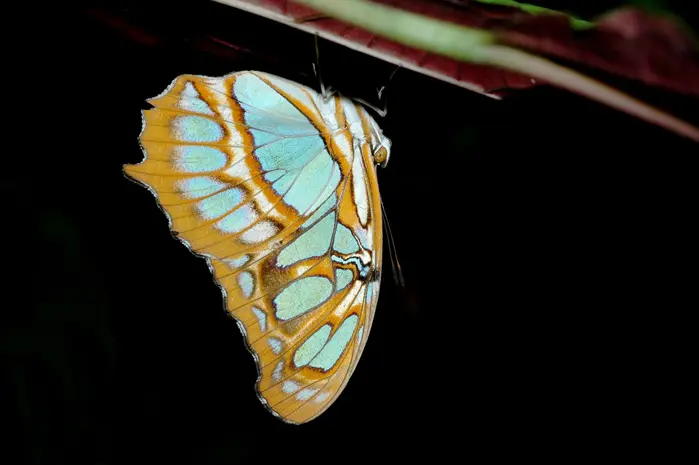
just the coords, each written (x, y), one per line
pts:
(267, 181)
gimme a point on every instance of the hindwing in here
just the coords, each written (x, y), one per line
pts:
(265, 179)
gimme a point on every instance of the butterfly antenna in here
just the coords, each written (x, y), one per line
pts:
(382, 93)
(385, 87)
(392, 252)
(325, 92)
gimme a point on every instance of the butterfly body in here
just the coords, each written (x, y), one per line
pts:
(275, 185)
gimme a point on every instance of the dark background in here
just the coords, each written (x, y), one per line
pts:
(548, 246)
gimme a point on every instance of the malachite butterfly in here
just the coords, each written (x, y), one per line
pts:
(275, 186)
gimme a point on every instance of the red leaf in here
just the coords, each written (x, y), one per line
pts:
(628, 42)
(479, 78)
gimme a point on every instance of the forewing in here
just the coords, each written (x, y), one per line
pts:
(265, 180)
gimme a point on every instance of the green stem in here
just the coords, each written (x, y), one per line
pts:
(575, 23)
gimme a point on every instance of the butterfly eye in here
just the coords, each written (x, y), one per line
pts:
(382, 154)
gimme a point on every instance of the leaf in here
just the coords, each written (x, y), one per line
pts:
(627, 42)
(209, 32)
(472, 76)
(479, 46)
(575, 23)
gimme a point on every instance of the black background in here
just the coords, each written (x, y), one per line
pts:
(547, 242)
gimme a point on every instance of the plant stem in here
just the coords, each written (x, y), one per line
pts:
(575, 23)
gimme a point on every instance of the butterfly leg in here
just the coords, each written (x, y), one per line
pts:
(382, 96)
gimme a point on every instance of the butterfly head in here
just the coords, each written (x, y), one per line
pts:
(380, 145)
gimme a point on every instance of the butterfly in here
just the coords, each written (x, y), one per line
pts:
(275, 186)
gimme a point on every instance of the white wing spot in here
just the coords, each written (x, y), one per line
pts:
(261, 318)
(360, 333)
(289, 387)
(246, 283)
(359, 188)
(277, 373)
(275, 344)
(236, 263)
(305, 394)
(261, 232)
